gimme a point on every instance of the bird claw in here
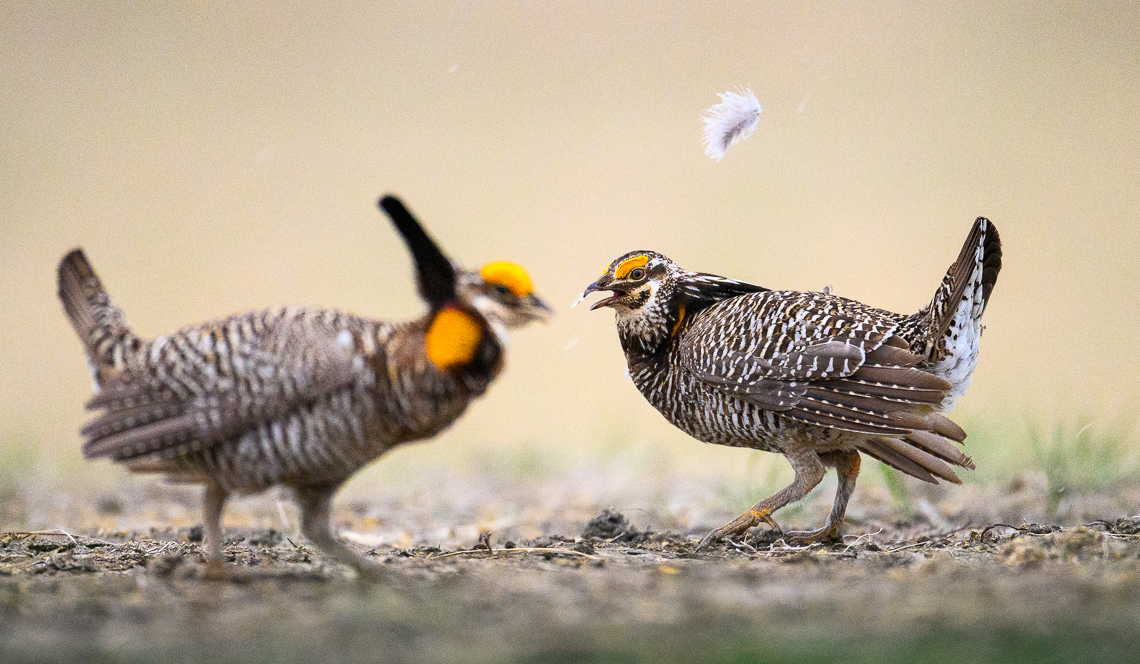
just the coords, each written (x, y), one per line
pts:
(739, 526)
(828, 533)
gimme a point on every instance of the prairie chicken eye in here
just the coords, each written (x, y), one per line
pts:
(637, 273)
(501, 289)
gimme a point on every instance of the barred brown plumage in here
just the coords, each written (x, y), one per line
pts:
(292, 396)
(813, 376)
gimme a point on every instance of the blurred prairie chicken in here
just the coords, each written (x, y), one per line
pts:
(813, 376)
(295, 397)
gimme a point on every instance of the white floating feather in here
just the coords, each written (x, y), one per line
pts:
(732, 120)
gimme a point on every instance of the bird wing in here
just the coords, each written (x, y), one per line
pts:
(819, 359)
(207, 384)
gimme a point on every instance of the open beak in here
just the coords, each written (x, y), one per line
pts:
(597, 286)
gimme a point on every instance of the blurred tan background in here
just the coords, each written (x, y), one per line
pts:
(216, 159)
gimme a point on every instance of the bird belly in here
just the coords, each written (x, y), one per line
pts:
(325, 442)
(710, 415)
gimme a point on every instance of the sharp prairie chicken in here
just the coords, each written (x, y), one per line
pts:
(296, 397)
(813, 376)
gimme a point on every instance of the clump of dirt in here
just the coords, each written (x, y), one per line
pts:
(1078, 545)
(612, 526)
(584, 547)
(1126, 525)
(269, 537)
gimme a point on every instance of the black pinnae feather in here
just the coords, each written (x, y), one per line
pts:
(700, 290)
(435, 273)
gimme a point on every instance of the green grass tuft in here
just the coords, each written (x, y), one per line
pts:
(18, 460)
(897, 488)
(1084, 457)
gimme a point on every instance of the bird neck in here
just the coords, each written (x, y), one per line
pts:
(647, 334)
(459, 339)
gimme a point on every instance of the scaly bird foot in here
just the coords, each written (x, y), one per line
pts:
(828, 533)
(739, 525)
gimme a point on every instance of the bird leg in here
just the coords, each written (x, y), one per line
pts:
(213, 502)
(316, 506)
(809, 473)
(846, 463)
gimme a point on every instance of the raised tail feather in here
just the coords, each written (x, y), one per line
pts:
(97, 322)
(952, 322)
(972, 276)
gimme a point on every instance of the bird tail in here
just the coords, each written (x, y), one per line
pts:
(926, 454)
(98, 323)
(966, 288)
(953, 317)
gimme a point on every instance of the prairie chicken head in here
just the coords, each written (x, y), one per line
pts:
(651, 295)
(503, 292)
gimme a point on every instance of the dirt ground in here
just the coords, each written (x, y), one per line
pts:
(611, 591)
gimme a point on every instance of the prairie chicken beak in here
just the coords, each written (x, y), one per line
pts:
(536, 309)
(600, 285)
